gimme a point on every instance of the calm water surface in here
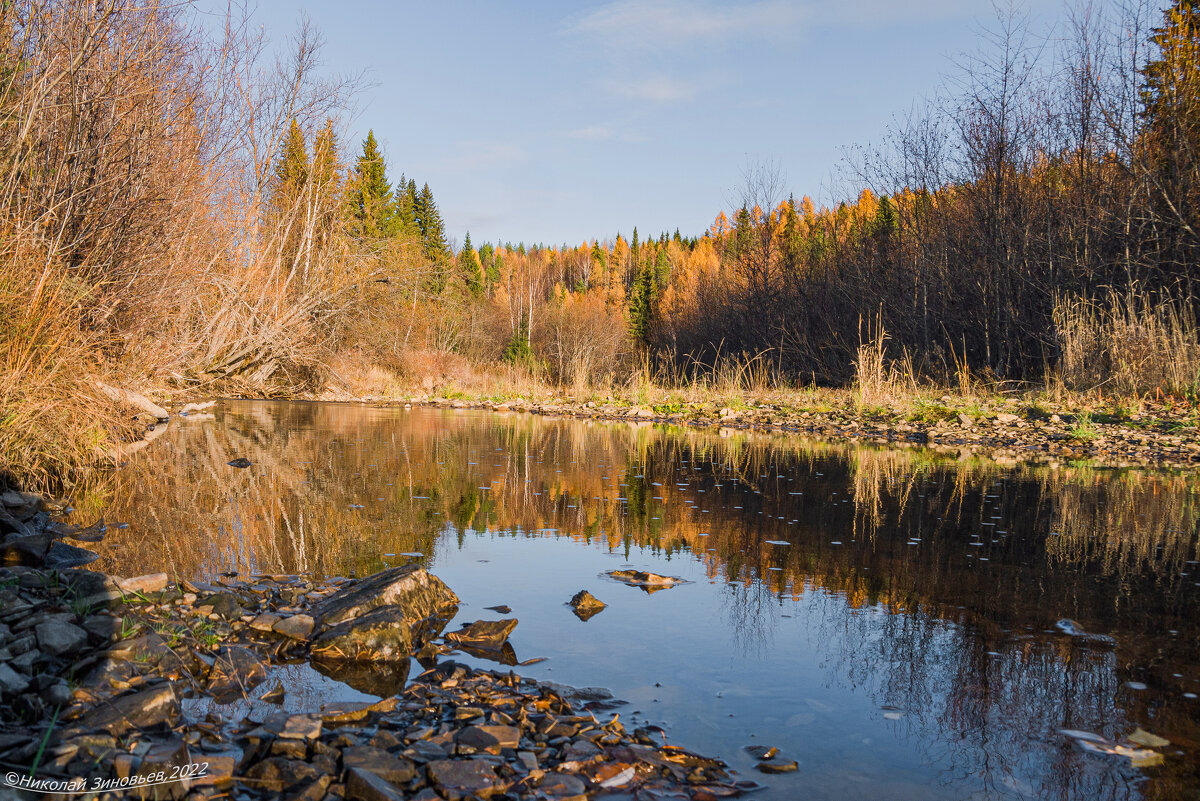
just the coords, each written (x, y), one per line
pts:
(886, 617)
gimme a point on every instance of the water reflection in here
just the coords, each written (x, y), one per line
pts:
(915, 592)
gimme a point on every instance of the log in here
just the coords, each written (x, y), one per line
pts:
(134, 399)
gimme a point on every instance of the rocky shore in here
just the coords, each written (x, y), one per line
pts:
(150, 688)
(1160, 435)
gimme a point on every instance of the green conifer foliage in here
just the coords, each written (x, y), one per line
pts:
(433, 231)
(371, 211)
(469, 268)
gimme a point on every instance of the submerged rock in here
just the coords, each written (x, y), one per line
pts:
(235, 672)
(586, 605)
(650, 582)
(485, 634)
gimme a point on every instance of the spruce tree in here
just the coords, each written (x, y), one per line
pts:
(286, 192)
(371, 212)
(469, 268)
(405, 204)
(433, 231)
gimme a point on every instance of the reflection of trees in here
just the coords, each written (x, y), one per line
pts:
(1000, 553)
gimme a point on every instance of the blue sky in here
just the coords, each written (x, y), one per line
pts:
(558, 121)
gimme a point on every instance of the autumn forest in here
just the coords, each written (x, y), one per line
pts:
(183, 210)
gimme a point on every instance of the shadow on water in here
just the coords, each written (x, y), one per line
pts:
(886, 616)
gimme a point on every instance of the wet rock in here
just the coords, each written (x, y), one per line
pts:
(103, 628)
(586, 605)
(485, 634)
(762, 752)
(378, 761)
(137, 710)
(650, 582)
(382, 634)
(57, 637)
(561, 784)
(265, 621)
(503, 609)
(29, 549)
(296, 627)
(456, 779)
(490, 739)
(164, 757)
(350, 711)
(61, 556)
(294, 727)
(363, 785)
(149, 583)
(418, 593)
(234, 673)
(777, 767)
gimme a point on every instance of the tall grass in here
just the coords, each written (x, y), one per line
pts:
(1128, 344)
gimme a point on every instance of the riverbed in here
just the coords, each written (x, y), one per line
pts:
(901, 623)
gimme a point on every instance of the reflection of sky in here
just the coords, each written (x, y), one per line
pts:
(900, 647)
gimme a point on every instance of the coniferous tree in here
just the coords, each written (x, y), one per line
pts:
(433, 231)
(286, 193)
(405, 204)
(469, 268)
(371, 211)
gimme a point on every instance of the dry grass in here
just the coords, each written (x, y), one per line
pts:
(1128, 344)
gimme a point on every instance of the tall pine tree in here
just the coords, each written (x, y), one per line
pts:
(433, 231)
(469, 267)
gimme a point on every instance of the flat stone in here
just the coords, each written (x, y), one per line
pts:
(149, 583)
(456, 779)
(294, 727)
(265, 621)
(58, 637)
(226, 605)
(489, 738)
(378, 761)
(220, 768)
(561, 784)
(61, 556)
(776, 767)
(297, 627)
(419, 593)
(489, 634)
(136, 710)
(363, 785)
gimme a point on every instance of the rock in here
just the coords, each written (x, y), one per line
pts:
(104, 628)
(226, 605)
(378, 761)
(149, 583)
(1006, 418)
(383, 634)
(59, 637)
(363, 785)
(777, 767)
(265, 621)
(297, 627)
(165, 757)
(137, 710)
(12, 682)
(234, 673)
(294, 727)
(650, 582)
(279, 773)
(491, 739)
(25, 550)
(456, 779)
(586, 605)
(221, 767)
(241, 461)
(965, 420)
(57, 694)
(350, 711)
(61, 556)
(486, 634)
(380, 679)
(561, 784)
(418, 593)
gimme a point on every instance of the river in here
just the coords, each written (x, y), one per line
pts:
(884, 616)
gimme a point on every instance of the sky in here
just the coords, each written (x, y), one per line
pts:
(556, 122)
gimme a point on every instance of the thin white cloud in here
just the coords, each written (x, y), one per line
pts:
(656, 88)
(629, 24)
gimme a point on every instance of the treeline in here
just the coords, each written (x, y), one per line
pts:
(1040, 217)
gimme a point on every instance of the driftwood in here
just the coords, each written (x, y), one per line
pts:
(134, 399)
